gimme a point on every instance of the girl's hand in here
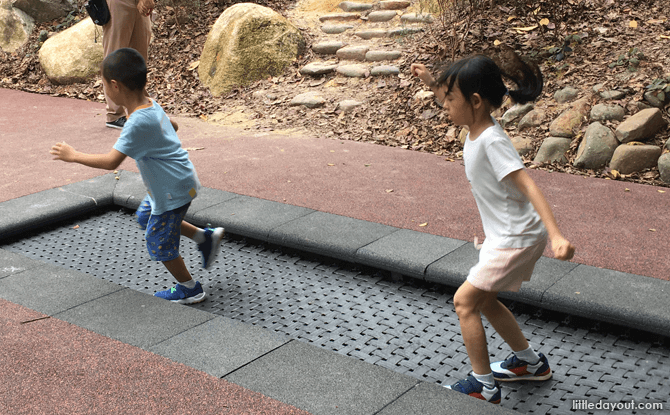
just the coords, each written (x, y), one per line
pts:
(63, 151)
(562, 248)
(145, 7)
(419, 70)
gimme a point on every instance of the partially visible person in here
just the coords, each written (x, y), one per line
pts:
(129, 27)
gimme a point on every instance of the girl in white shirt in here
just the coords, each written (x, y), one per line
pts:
(515, 215)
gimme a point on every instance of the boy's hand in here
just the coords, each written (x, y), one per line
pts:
(562, 248)
(63, 151)
(419, 70)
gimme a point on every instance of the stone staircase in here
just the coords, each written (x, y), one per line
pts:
(360, 41)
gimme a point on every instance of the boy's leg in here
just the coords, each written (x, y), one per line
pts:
(178, 269)
(208, 240)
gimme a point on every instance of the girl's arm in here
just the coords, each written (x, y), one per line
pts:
(66, 152)
(562, 248)
(419, 70)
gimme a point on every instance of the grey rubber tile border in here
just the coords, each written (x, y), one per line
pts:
(414, 254)
(11, 263)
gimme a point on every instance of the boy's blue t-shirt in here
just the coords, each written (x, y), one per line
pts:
(149, 138)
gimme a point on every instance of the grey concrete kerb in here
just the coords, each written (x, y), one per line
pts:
(561, 286)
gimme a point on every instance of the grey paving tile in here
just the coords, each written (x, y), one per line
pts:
(100, 189)
(51, 289)
(613, 296)
(453, 268)
(135, 318)
(207, 198)
(12, 263)
(328, 234)
(407, 252)
(250, 216)
(220, 345)
(433, 399)
(322, 382)
(38, 209)
(129, 190)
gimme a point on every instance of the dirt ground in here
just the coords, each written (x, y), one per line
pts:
(580, 43)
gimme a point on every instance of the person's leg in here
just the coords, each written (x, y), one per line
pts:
(208, 240)
(505, 324)
(178, 269)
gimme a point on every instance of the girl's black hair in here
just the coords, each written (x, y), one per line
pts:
(479, 74)
(126, 66)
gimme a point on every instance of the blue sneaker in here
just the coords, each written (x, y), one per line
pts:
(210, 248)
(472, 387)
(182, 295)
(513, 369)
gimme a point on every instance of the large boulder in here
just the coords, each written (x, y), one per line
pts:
(73, 55)
(596, 148)
(15, 27)
(631, 158)
(641, 126)
(248, 42)
(45, 10)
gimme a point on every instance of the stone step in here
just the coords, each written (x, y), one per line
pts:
(351, 6)
(340, 17)
(382, 55)
(417, 18)
(318, 68)
(404, 31)
(354, 53)
(335, 29)
(327, 48)
(385, 70)
(309, 100)
(393, 4)
(382, 15)
(354, 70)
(372, 33)
(348, 105)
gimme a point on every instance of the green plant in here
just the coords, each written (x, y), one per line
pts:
(631, 58)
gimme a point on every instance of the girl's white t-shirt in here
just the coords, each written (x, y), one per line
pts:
(508, 217)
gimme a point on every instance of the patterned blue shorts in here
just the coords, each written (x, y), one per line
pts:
(162, 231)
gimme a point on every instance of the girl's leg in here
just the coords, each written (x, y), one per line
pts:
(178, 269)
(469, 302)
(505, 324)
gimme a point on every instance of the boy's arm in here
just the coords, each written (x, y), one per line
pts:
(109, 161)
(562, 248)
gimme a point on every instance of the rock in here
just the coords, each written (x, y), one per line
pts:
(371, 33)
(612, 95)
(640, 126)
(308, 99)
(596, 148)
(382, 55)
(656, 98)
(318, 68)
(353, 53)
(523, 145)
(417, 18)
(631, 158)
(566, 94)
(534, 118)
(394, 4)
(353, 71)
(517, 111)
(45, 10)
(664, 167)
(552, 150)
(72, 55)
(327, 48)
(334, 29)
(340, 17)
(384, 70)
(15, 28)
(598, 88)
(248, 42)
(382, 15)
(424, 95)
(404, 31)
(567, 124)
(350, 6)
(604, 112)
(348, 104)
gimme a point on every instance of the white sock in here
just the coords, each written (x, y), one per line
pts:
(529, 356)
(190, 284)
(486, 380)
(199, 236)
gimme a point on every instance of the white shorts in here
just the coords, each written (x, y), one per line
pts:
(505, 269)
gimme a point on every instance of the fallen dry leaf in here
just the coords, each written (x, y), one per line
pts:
(75, 227)
(194, 148)
(389, 190)
(423, 225)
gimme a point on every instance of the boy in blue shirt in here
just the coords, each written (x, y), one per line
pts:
(150, 138)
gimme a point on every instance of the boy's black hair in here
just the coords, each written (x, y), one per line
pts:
(481, 75)
(126, 66)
